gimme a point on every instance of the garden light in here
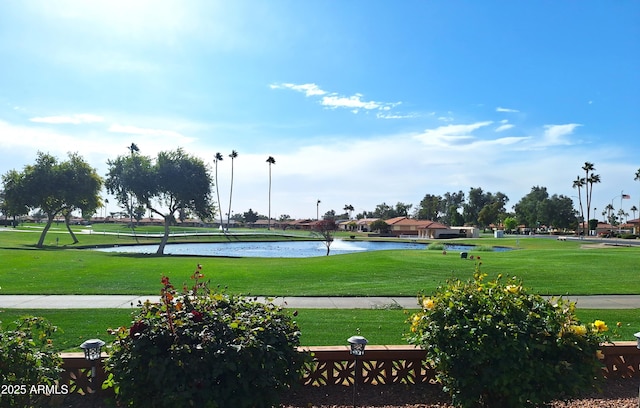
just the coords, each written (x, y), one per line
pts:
(357, 344)
(92, 349)
(92, 352)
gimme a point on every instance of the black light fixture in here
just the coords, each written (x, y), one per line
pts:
(357, 345)
(92, 352)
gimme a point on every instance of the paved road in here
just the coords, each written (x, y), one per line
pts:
(127, 301)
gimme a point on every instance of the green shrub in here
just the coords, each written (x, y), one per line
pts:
(494, 345)
(29, 368)
(204, 348)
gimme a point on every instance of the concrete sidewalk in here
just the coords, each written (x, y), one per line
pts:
(311, 302)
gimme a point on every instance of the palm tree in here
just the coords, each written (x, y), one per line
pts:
(588, 167)
(271, 161)
(579, 183)
(233, 155)
(318, 210)
(218, 157)
(349, 209)
(593, 179)
(609, 208)
(633, 210)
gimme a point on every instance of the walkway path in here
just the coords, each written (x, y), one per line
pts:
(316, 302)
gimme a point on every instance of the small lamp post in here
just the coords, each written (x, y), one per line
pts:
(92, 353)
(357, 345)
(637, 335)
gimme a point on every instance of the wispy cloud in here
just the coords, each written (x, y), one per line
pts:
(334, 100)
(307, 89)
(134, 130)
(508, 110)
(75, 119)
(450, 134)
(556, 134)
(504, 127)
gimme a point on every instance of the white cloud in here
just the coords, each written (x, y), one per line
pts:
(74, 119)
(504, 127)
(333, 100)
(351, 102)
(555, 134)
(307, 89)
(507, 110)
(134, 130)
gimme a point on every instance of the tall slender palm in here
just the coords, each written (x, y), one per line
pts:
(593, 179)
(588, 167)
(318, 210)
(233, 155)
(218, 157)
(633, 210)
(579, 183)
(271, 161)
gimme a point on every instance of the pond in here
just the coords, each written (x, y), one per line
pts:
(279, 249)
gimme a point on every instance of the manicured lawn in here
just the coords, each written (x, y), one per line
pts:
(546, 266)
(319, 327)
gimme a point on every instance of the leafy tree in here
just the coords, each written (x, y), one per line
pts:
(329, 215)
(384, 211)
(56, 188)
(402, 209)
(429, 208)
(233, 156)
(533, 208)
(510, 223)
(271, 161)
(250, 216)
(489, 214)
(380, 226)
(174, 182)
(326, 228)
(452, 202)
(561, 212)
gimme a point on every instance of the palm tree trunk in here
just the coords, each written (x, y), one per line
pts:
(230, 196)
(269, 224)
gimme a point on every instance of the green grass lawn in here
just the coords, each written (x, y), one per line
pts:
(319, 327)
(545, 265)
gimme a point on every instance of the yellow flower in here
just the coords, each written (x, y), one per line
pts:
(579, 330)
(600, 326)
(512, 289)
(428, 303)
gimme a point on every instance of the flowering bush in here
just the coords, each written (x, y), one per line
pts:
(495, 345)
(27, 359)
(204, 348)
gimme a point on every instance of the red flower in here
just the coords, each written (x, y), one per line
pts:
(137, 329)
(196, 316)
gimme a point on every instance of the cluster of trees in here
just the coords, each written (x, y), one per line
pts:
(176, 185)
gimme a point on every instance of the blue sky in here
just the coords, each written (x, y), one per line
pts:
(359, 102)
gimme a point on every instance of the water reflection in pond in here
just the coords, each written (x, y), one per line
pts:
(280, 249)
